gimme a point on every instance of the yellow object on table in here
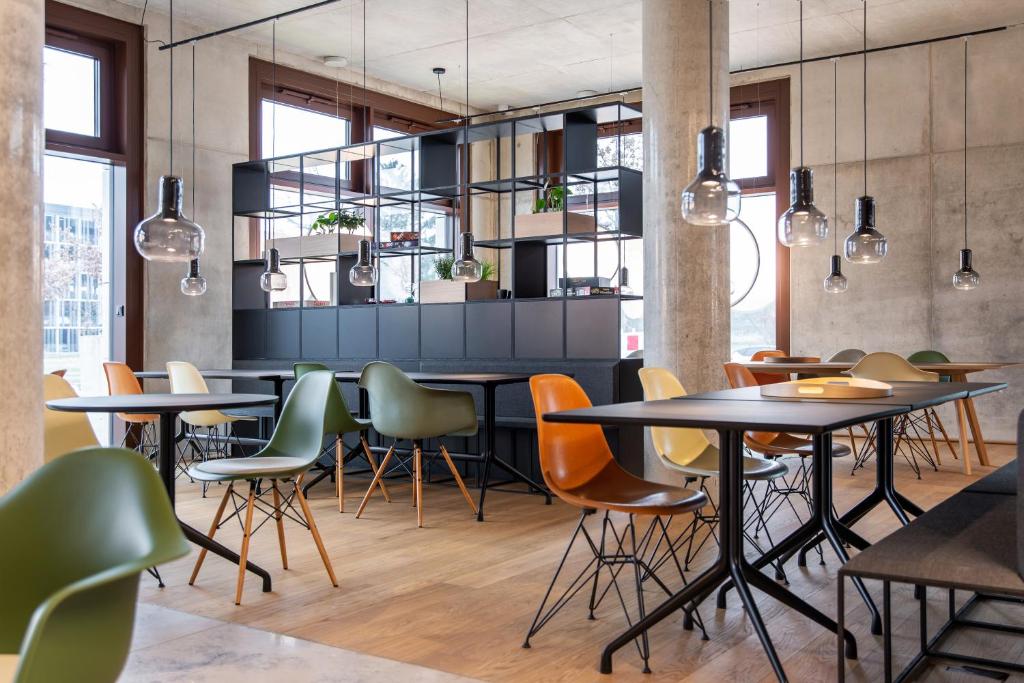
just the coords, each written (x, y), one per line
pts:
(828, 388)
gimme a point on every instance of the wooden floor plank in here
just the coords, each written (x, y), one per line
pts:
(459, 595)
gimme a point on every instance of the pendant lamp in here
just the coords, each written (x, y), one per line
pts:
(835, 282)
(802, 225)
(967, 277)
(168, 235)
(866, 244)
(466, 267)
(363, 273)
(193, 284)
(273, 278)
(711, 199)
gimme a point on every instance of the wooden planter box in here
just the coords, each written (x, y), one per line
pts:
(316, 245)
(449, 292)
(550, 223)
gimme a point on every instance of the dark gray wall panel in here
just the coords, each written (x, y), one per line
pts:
(592, 328)
(357, 332)
(320, 333)
(249, 334)
(399, 332)
(283, 334)
(245, 286)
(442, 328)
(489, 330)
(538, 329)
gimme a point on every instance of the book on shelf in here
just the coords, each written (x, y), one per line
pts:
(398, 244)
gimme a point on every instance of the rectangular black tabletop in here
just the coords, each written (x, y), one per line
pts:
(473, 378)
(913, 395)
(802, 417)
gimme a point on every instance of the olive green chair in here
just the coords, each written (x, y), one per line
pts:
(402, 409)
(293, 449)
(69, 572)
(338, 420)
(931, 416)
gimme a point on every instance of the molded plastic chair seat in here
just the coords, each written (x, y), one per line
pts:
(612, 488)
(63, 431)
(266, 467)
(847, 356)
(890, 367)
(791, 444)
(120, 381)
(186, 379)
(754, 469)
(931, 356)
(69, 571)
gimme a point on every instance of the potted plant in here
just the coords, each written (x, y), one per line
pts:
(548, 210)
(324, 237)
(446, 290)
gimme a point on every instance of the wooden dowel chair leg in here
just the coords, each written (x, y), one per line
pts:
(279, 520)
(418, 472)
(376, 480)
(213, 529)
(313, 530)
(372, 459)
(246, 535)
(458, 479)
(339, 459)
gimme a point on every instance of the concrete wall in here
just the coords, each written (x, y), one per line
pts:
(915, 148)
(198, 329)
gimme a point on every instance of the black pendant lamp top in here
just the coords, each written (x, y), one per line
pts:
(866, 244)
(966, 278)
(835, 282)
(711, 199)
(168, 235)
(802, 225)
(466, 267)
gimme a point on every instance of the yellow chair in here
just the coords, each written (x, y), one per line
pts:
(890, 367)
(186, 379)
(63, 432)
(689, 452)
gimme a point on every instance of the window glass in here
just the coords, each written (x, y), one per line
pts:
(71, 92)
(395, 164)
(748, 147)
(629, 152)
(299, 130)
(752, 267)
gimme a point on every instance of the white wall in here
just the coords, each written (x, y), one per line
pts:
(915, 172)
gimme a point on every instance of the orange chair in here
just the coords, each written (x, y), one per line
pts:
(768, 377)
(579, 468)
(120, 381)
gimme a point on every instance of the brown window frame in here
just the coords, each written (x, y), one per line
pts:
(119, 47)
(771, 98)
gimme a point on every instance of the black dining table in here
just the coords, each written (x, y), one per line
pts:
(168, 407)
(488, 381)
(731, 418)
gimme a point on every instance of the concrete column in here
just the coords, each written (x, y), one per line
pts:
(21, 167)
(686, 268)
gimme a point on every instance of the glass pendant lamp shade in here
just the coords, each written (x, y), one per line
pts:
(866, 244)
(168, 235)
(273, 280)
(711, 199)
(836, 282)
(466, 268)
(363, 274)
(967, 277)
(803, 225)
(193, 284)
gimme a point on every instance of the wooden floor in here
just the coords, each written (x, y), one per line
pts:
(459, 595)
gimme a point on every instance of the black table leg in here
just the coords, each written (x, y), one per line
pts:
(279, 392)
(165, 465)
(490, 458)
(731, 564)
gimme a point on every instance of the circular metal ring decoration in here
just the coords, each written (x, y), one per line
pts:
(741, 237)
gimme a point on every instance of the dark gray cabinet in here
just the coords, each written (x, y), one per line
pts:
(284, 332)
(443, 331)
(249, 334)
(320, 333)
(539, 329)
(357, 332)
(399, 330)
(489, 330)
(592, 328)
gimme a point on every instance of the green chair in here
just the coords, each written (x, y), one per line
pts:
(338, 420)
(69, 572)
(931, 416)
(293, 449)
(402, 409)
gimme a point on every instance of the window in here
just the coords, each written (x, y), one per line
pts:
(759, 266)
(73, 80)
(299, 130)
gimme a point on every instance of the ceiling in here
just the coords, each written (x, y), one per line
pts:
(529, 51)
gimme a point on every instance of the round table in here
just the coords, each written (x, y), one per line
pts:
(168, 406)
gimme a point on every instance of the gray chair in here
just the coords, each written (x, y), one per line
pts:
(847, 356)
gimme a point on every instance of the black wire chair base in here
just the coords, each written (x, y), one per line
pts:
(611, 553)
(908, 432)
